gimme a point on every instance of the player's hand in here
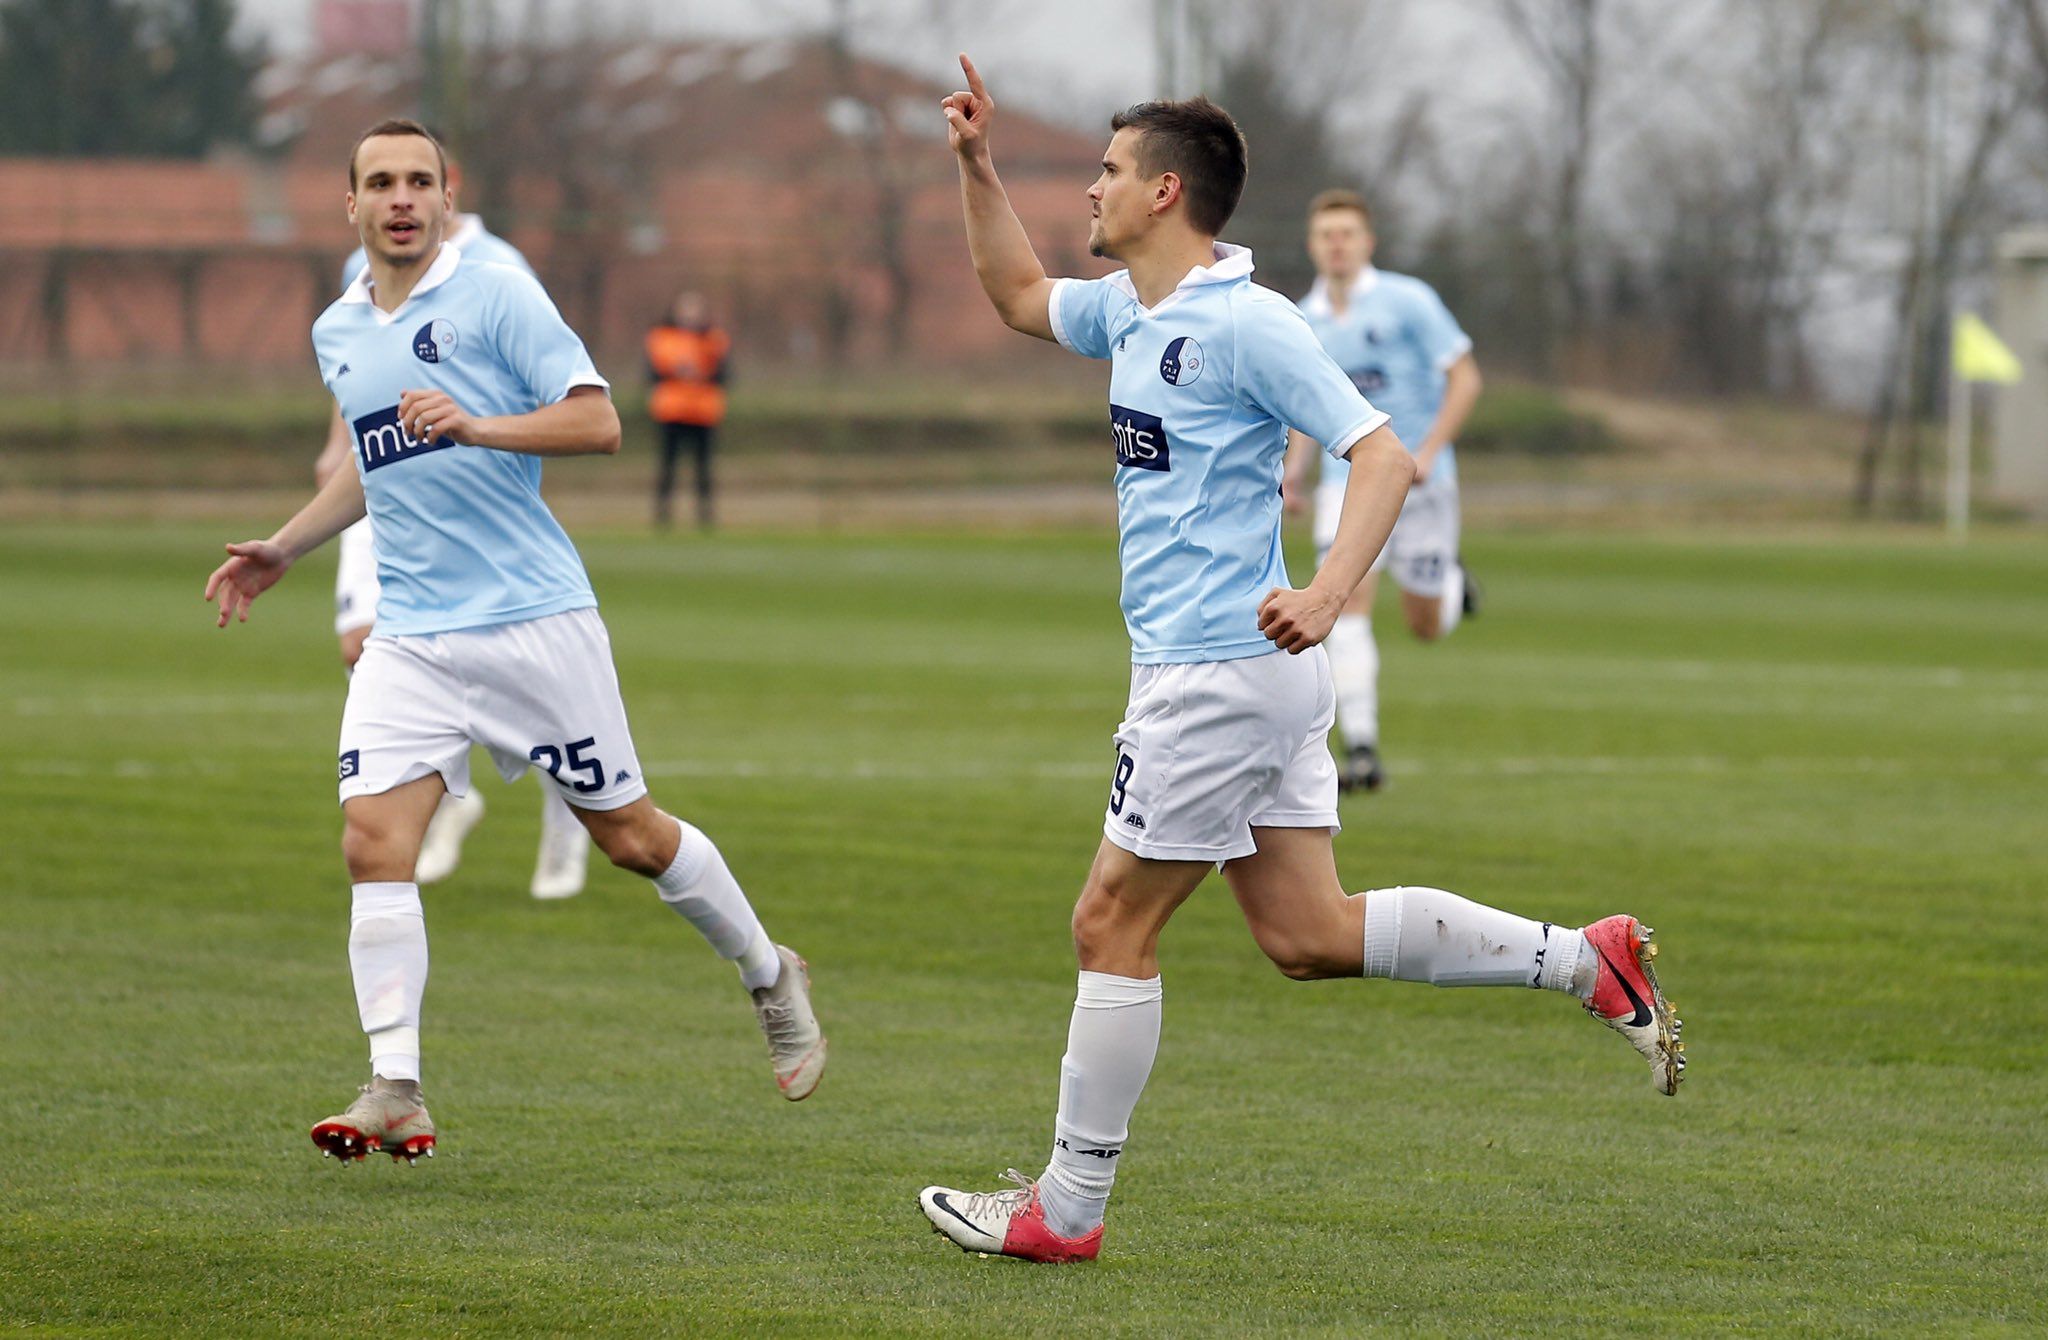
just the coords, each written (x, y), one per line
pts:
(431, 414)
(968, 114)
(1293, 494)
(254, 568)
(1298, 620)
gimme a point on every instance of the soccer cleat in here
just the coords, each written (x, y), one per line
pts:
(564, 860)
(1004, 1223)
(1627, 999)
(795, 1043)
(1474, 597)
(387, 1117)
(441, 850)
(1361, 770)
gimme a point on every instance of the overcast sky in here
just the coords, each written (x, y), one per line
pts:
(1078, 56)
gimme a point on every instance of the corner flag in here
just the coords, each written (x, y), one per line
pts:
(1980, 356)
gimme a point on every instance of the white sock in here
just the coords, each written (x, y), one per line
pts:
(387, 956)
(1452, 608)
(698, 885)
(555, 813)
(1111, 1042)
(1428, 935)
(1355, 674)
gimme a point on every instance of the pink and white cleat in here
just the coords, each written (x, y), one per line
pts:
(1004, 1223)
(1626, 998)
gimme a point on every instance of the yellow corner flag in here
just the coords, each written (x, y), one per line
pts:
(1980, 355)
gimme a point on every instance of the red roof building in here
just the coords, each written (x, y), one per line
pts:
(810, 192)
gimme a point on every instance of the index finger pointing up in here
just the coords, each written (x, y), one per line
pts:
(974, 84)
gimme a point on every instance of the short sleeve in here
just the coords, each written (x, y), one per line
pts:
(534, 341)
(1435, 331)
(1283, 369)
(1079, 314)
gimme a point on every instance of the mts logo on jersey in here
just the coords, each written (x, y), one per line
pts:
(381, 440)
(1140, 439)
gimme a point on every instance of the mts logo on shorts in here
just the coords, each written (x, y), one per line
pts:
(1140, 439)
(351, 763)
(381, 440)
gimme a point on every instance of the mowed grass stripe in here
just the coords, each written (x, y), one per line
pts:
(1818, 768)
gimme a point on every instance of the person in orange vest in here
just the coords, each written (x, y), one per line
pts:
(687, 357)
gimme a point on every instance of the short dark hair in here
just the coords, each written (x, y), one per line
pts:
(397, 126)
(1197, 141)
(1341, 199)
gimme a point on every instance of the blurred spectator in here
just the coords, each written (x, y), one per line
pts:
(687, 357)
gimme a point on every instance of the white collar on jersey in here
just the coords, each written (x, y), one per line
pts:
(443, 268)
(1318, 299)
(1231, 262)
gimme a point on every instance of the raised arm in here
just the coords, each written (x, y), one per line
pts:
(1003, 259)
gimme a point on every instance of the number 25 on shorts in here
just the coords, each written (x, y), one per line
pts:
(571, 755)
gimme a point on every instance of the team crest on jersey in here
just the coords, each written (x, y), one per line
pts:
(1140, 439)
(1181, 364)
(434, 342)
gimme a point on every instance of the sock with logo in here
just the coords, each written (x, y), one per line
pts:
(1355, 675)
(1451, 608)
(1111, 1042)
(1428, 935)
(698, 886)
(387, 956)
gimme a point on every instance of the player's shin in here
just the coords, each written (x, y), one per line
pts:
(1429, 935)
(387, 955)
(1111, 1043)
(699, 886)
(1355, 675)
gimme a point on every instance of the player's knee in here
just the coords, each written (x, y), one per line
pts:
(371, 852)
(1098, 922)
(1306, 954)
(1299, 962)
(1425, 624)
(643, 847)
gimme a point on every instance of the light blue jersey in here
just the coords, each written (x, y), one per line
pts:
(1202, 390)
(463, 538)
(466, 231)
(1396, 340)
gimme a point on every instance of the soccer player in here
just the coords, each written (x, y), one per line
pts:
(456, 379)
(1222, 759)
(564, 857)
(1397, 342)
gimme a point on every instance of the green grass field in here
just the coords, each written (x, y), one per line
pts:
(1818, 766)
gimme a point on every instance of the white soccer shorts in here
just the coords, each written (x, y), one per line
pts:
(355, 579)
(540, 693)
(1208, 752)
(1423, 547)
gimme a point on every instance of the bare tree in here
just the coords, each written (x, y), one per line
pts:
(1308, 81)
(1909, 387)
(1563, 38)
